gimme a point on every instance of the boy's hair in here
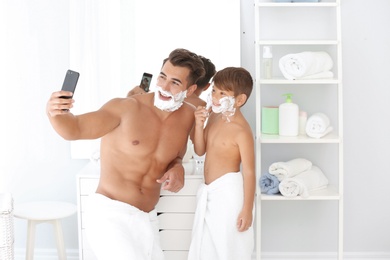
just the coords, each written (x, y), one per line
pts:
(235, 79)
(210, 71)
(187, 59)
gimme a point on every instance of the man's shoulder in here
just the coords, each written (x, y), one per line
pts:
(195, 101)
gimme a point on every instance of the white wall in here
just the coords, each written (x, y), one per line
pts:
(36, 162)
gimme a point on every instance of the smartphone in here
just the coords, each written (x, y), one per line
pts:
(145, 81)
(70, 82)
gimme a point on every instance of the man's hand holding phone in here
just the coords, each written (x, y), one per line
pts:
(61, 101)
(145, 81)
(68, 87)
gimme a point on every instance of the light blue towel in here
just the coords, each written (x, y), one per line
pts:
(269, 184)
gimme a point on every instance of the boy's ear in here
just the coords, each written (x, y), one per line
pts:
(241, 99)
(191, 89)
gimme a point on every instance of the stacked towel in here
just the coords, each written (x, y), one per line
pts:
(306, 65)
(269, 184)
(303, 183)
(290, 168)
(318, 125)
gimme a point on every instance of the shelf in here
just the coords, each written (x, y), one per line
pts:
(283, 81)
(326, 194)
(294, 28)
(319, 4)
(297, 42)
(277, 139)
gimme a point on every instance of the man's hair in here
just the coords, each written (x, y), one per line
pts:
(187, 59)
(235, 79)
(210, 71)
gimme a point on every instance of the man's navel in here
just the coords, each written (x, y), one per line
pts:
(135, 142)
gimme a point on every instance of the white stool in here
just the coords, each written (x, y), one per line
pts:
(44, 212)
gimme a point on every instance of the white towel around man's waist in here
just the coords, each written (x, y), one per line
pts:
(290, 168)
(306, 65)
(117, 230)
(215, 234)
(303, 183)
(318, 125)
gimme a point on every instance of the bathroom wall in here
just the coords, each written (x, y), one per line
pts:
(36, 162)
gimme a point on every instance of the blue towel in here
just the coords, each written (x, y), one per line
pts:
(269, 184)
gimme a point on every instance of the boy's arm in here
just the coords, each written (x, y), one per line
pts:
(246, 146)
(199, 141)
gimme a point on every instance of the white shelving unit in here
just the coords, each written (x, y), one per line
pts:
(292, 28)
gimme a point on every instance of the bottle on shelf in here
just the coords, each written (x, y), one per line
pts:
(302, 122)
(288, 117)
(267, 62)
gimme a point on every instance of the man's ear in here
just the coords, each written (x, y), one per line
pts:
(191, 89)
(240, 100)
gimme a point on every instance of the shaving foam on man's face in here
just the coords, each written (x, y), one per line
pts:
(172, 103)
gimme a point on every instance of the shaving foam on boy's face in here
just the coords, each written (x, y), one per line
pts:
(225, 105)
(173, 102)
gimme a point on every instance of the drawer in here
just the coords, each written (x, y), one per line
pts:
(85, 240)
(88, 185)
(89, 255)
(190, 187)
(175, 240)
(176, 221)
(176, 255)
(182, 204)
(83, 203)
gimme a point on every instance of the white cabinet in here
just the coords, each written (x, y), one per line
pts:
(175, 214)
(293, 28)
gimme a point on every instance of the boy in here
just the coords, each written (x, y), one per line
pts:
(223, 219)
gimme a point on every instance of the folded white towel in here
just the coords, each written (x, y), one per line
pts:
(306, 65)
(303, 183)
(318, 125)
(290, 168)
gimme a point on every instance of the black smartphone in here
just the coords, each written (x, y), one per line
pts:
(145, 81)
(70, 81)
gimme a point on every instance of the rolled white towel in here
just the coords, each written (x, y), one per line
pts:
(318, 125)
(306, 65)
(290, 168)
(303, 183)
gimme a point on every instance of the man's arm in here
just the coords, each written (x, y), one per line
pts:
(174, 177)
(86, 126)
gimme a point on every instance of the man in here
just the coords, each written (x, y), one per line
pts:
(143, 139)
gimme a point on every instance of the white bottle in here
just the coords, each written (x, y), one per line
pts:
(288, 117)
(267, 62)
(302, 122)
